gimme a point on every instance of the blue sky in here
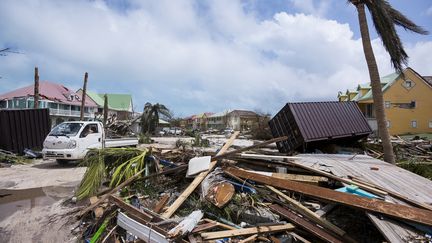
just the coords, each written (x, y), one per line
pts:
(196, 56)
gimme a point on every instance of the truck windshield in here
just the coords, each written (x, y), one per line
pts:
(66, 129)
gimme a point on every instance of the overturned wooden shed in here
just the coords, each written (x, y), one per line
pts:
(310, 123)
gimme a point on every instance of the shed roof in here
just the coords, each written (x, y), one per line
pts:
(50, 91)
(322, 120)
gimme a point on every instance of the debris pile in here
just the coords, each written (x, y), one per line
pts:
(419, 150)
(232, 196)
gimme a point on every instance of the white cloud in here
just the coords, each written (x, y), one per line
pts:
(429, 11)
(191, 57)
(315, 7)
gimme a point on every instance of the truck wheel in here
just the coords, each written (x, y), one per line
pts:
(62, 161)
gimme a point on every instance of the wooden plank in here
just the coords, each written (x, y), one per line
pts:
(249, 239)
(298, 237)
(394, 210)
(161, 204)
(308, 213)
(136, 214)
(203, 227)
(245, 231)
(222, 225)
(310, 227)
(294, 177)
(198, 179)
(129, 208)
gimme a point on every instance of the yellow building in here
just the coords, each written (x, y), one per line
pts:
(407, 102)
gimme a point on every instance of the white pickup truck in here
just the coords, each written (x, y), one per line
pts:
(72, 140)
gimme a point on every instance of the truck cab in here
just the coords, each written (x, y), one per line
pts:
(72, 140)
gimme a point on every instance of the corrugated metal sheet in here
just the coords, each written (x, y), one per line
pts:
(24, 128)
(316, 121)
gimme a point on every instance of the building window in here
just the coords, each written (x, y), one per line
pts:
(430, 124)
(414, 124)
(387, 104)
(408, 84)
(388, 123)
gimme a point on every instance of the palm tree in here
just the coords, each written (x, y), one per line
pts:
(385, 18)
(150, 116)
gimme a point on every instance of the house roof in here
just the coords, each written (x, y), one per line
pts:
(222, 113)
(244, 113)
(428, 79)
(387, 81)
(49, 91)
(119, 102)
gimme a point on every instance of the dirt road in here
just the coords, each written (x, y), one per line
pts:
(33, 206)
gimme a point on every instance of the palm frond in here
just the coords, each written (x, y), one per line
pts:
(120, 163)
(128, 169)
(93, 176)
(385, 28)
(401, 20)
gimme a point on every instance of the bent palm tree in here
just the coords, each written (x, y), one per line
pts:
(385, 18)
(150, 116)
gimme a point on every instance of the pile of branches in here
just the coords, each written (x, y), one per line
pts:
(112, 165)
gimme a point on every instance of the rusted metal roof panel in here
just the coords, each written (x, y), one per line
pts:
(315, 121)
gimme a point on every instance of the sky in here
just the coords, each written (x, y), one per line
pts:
(199, 56)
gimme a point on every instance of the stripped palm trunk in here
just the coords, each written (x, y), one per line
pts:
(375, 85)
(36, 88)
(84, 93)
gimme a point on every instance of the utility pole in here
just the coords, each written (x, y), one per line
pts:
(84, 92)
(36, 88)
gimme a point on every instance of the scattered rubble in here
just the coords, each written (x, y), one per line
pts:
(249, 197)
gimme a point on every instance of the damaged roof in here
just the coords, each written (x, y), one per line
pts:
(314, 121)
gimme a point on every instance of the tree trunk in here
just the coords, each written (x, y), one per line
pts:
(105, 110)
(36, 89)
(377, 94)
(84, 92)
(216, 189)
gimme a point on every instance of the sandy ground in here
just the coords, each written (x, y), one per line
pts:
(36, 211)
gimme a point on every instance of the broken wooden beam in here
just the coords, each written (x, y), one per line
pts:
(222, 225)
(245, 231)
(161, 204)
(394, 210)
(129, 208)
(205, 226)
(310, 227)
(297, 206)
(198, 179)
(314, 180)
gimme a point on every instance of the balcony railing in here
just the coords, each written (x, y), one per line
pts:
(71, 113)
